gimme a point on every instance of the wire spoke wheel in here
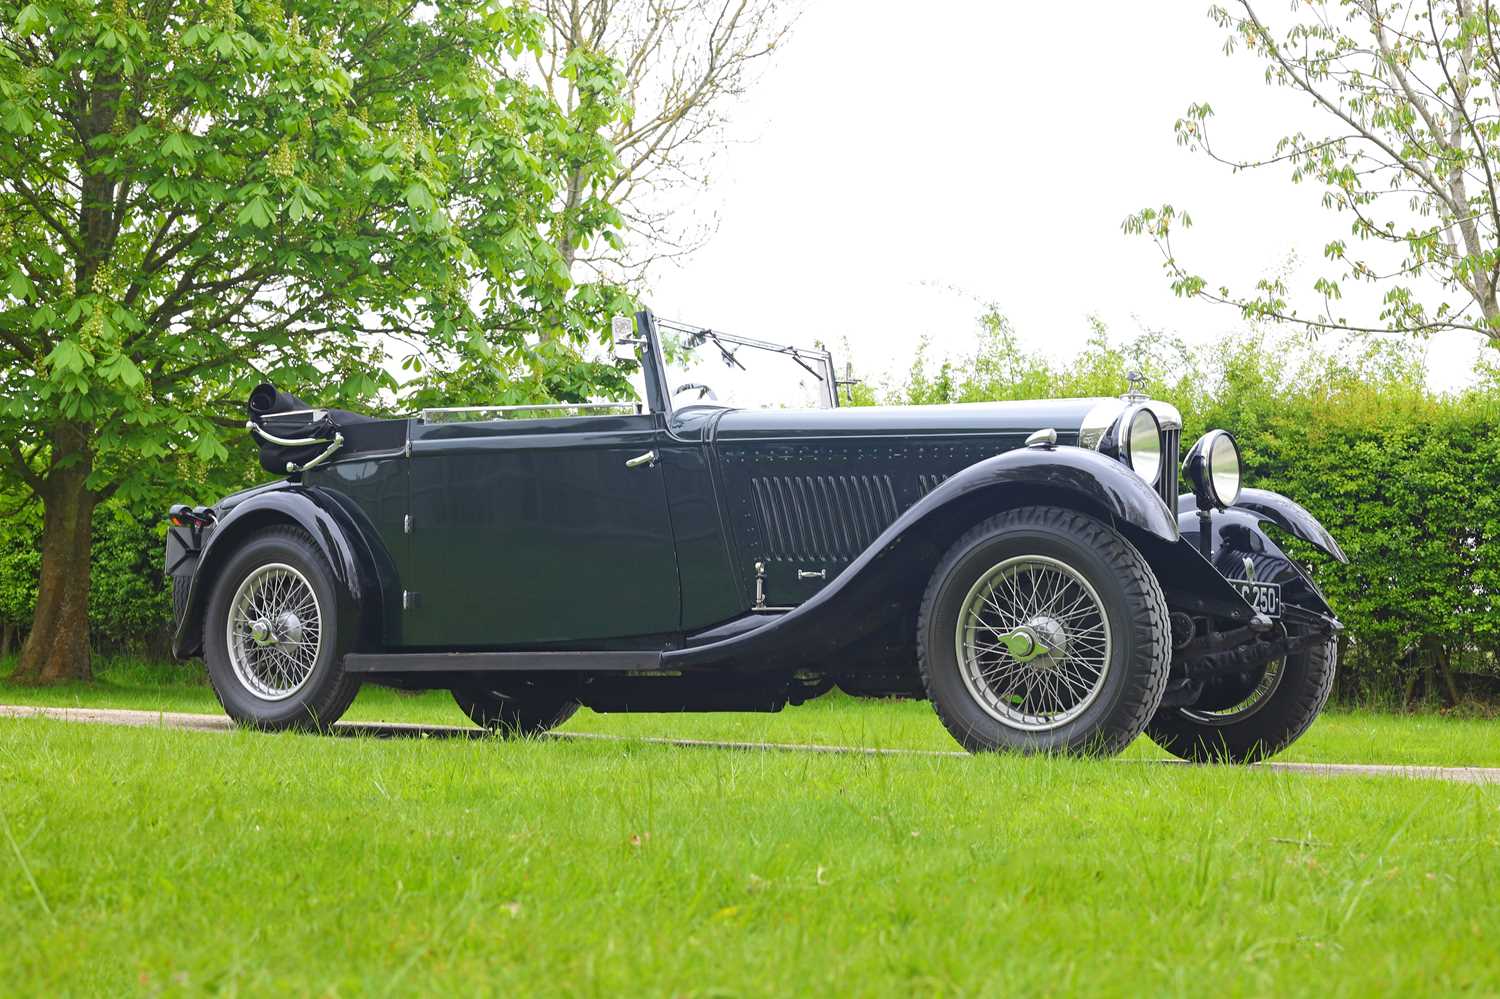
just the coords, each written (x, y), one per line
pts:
(274, 631)
(1033, 642)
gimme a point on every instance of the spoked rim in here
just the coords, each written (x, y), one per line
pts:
(274, 632)
(1269, 683)
(1034, 643)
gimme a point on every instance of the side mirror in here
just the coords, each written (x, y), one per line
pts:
(622, 332)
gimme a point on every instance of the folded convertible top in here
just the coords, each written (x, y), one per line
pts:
(292, 436)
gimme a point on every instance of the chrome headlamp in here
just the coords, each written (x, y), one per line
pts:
(1213, 467)
(1140, 443)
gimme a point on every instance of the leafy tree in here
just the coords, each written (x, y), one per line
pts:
(197, 196)
(1407, 154)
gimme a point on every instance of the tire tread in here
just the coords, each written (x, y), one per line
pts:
(1152, 629)
(1253, 739)
(329, 701)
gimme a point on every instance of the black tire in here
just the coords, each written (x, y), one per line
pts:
(1258, 730)
(1132, 603)
(327, 691)
(511, 706)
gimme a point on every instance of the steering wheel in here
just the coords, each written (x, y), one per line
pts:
(704, 392)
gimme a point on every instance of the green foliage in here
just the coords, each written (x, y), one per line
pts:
(130, 598)
(130, 604)
(195, 197)
(1406, 147)
(20, 559)
(1401, 476)
(200, 196)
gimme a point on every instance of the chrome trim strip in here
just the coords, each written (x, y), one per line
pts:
(426, 414)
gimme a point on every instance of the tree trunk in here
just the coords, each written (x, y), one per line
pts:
(7, 639)
(565, 247)
(58, 647)
(1445, 673)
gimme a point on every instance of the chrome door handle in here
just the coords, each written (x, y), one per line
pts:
(649, 458)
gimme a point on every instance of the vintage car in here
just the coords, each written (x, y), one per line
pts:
(1029, 567)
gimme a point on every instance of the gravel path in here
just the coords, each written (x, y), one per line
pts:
(219, 723)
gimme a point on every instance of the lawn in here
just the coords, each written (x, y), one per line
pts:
(1340, 736)
(147, 860)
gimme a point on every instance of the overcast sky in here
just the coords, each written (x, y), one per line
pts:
(899, 162)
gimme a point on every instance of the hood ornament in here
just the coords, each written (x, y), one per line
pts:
(1137, 389)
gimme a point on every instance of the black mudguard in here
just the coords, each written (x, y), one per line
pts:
(1238, 535)
(889, 577)
(358, 560)
(1291, 517)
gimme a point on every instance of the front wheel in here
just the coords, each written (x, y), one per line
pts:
(1247, 719)
(1044, 631)
(271, 635)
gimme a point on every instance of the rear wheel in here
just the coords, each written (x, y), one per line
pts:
(514, 707)
(272, 638)
(1044, 630)
(1246, 719)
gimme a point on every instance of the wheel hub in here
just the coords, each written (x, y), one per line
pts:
(1033, 642)
(1041, 638)
(289, 628)
(261, 633)
(274, 631)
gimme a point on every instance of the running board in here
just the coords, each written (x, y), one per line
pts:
(470, 662)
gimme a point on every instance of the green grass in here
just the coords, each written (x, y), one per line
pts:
(160, 861)
(1340, 736)
(148, 860)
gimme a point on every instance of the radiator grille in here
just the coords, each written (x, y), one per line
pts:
(1170, 441)
(822, 517)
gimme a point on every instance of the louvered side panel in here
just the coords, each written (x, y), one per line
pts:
(822, 517)
(927, 483)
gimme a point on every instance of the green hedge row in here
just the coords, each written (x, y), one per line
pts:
(130, 604)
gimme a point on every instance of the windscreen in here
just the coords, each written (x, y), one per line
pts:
(707, 367)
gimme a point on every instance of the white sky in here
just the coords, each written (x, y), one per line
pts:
(898, 163)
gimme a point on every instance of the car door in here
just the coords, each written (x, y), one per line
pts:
(547, 531)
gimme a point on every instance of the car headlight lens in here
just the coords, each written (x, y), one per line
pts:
(1143, 444)
(1213, 467)
(1224, 468)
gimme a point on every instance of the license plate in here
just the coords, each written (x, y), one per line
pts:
(1264, 597)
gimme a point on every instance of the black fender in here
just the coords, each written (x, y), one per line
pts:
(1291, 517)
(1238, 537)
(350, 546)
(1274, 508)
(885, 582)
